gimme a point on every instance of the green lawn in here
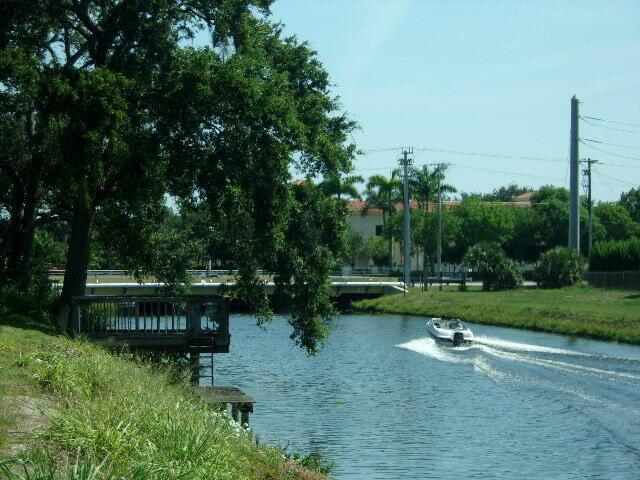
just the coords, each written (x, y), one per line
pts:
(583, 311)
(69, 409)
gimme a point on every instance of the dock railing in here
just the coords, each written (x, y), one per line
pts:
(199, 323)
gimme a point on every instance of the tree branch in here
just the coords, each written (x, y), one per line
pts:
(74, 58)
(81, 9)
(67, 45)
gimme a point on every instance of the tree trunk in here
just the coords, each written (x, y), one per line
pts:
(11, 241)
(18, 243)
(17, 247)
(75, 275)
(28, 231)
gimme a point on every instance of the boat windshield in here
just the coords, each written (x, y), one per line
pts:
(456, 325)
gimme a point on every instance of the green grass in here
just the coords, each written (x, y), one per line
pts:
(108, 416)
(581, 311)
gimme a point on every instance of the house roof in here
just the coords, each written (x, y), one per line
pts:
(359, 206)
(524, 197)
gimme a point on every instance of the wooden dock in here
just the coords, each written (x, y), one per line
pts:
(241, 404)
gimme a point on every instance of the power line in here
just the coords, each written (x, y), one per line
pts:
(474, 154)
(467, 167)
(515, 174)
(608, 127)
(611, 144)
(491, 155)
(620, 90)
(608, 152)
(608, 188)
(623, 165)
(374, 169)
(375, 150)
(611, 121)
(503, 172)
(616, 179)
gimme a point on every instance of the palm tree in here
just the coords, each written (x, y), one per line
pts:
(339, 186)
(383, 193)
(424, 188)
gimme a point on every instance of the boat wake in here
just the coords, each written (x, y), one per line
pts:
(428, 347)
(535, 355)
(525, 347)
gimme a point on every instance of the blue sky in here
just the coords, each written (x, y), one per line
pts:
(490, 77)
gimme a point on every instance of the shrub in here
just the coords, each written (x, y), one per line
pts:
(495, 269)
(376, 248)
(615, 256)
(560, 267)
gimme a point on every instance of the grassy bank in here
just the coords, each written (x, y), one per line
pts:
(69, 409)
(584, 311)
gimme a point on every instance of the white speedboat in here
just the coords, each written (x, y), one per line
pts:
(449, 331)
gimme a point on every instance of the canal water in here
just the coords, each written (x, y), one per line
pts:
(383, 401)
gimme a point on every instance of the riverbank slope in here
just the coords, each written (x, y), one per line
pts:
(580, 310)
(68, 406)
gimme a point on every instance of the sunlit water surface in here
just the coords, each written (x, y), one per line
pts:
(383, 401)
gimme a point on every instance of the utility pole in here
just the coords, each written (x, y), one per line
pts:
(574, 179)
(405, 162)
(587, 186)
(441, 167)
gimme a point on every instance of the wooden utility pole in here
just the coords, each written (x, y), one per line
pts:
(574, 179)
(405, 162)
(441, 167)
(587, 185)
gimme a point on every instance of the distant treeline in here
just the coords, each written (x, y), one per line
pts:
(523, 230)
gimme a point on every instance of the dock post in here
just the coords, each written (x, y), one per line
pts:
(235, 412)
(245, 408)
(194, 361)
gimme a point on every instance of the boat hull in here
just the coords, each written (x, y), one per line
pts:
(440, 333)
(450, 341)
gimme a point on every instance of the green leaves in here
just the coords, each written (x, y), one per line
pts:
(617, 221)
(560, 267)
(631, 201)
(611, 256)
(314, 242)
(136, 116)
(497, 271)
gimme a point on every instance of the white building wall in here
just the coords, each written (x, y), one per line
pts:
(366, 225)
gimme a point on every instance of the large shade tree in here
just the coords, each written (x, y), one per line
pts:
(482, 222)
(137, 115)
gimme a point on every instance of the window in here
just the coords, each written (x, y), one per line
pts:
(379, 230)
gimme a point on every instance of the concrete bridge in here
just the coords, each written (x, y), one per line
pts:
(342, 288)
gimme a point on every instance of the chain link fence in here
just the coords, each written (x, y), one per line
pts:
(627, 280)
